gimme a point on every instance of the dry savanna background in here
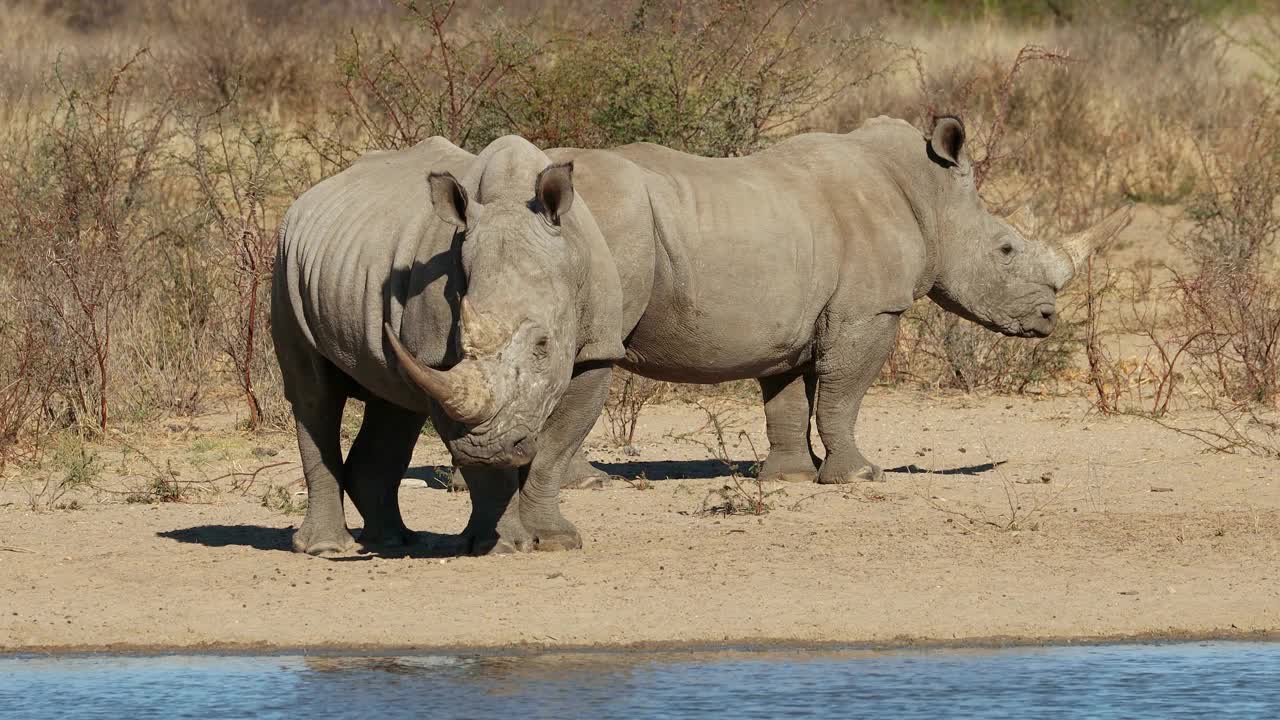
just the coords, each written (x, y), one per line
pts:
(1116, 479)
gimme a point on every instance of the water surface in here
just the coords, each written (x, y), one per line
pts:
(1192, 680)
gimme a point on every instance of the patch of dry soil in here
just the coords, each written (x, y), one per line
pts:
(1091, 527)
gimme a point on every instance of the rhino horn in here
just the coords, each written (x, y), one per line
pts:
(1081, 245)
(460, 391)
(480, 335)
(1023, 220)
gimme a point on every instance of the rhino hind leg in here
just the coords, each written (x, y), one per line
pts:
(850, 355)
(375, 466)
(317, 411)
(788, 405)
(582, 474)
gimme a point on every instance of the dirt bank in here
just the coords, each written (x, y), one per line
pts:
(1091, 527)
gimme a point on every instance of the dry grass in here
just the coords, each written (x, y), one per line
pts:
(139, 191)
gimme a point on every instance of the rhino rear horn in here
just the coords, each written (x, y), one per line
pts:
(480, 335)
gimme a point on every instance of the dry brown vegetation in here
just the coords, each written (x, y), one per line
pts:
(148, 150)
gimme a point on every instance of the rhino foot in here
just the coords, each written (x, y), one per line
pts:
(373, 538)
(563, 536)
(550, 530)
(314, 540)
(582, 475)
(510, 536)
(558, 541)
(789, 468)
(834, 472)
(496, 545)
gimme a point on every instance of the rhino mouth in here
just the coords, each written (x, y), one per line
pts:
(513, 448)
(1039, 323)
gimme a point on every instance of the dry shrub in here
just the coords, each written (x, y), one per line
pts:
(941, 350)
(714, 78)
(239, 171)
(742, 495)
(166, 236)
(1230, 301)
(228, 50)
(629, 395)
(987, 98)
(396, 94)
(79, 196)
(1210, 335)
(24, 381)
(710, 78)
(1133, 346)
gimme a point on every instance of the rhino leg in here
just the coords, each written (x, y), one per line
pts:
(788, 405)
(494, 527)
(375, 465)
(318, 414)
(553, 464)
(850, 355)
(457, 483)
(581, 474)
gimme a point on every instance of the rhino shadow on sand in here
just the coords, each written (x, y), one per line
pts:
(261, 537)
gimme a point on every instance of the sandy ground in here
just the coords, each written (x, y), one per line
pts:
(1087, 527)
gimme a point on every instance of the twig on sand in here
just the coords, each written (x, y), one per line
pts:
(16, 549)
(244, 486)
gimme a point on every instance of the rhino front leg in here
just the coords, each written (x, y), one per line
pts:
(788, 405)
(850, 355)
(375, 466)
(494, 527)
(319, 417)
(558, 446)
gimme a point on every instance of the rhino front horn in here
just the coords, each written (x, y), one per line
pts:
(1080, 246)
(461, 391)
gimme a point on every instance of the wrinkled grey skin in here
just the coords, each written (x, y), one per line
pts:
(792, 266)
(483, 297)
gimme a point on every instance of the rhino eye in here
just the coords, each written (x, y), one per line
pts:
(540, 345)
(1006, 249)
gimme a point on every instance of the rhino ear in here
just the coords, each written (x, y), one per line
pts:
(947, 141)
(448, 198)
(554, 190)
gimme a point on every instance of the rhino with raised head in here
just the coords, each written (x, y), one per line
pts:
(792, 266)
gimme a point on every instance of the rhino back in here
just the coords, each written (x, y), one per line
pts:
(755, 249)
(348, 257)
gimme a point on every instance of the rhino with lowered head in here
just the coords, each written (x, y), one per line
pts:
(491, 305)
(792, 266)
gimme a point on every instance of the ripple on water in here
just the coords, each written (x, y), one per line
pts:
(1190, 680)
